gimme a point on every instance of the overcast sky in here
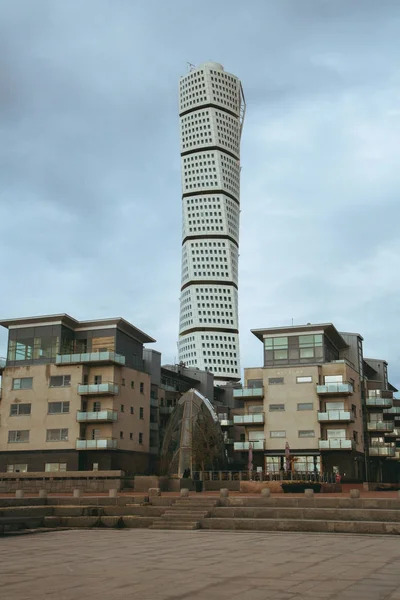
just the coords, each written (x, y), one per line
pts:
(90, 220)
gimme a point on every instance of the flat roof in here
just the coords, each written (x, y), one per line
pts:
(68, 321)
(328, 328)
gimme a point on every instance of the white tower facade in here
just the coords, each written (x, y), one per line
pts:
(211, 110)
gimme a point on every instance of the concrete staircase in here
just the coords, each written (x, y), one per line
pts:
(185, 513)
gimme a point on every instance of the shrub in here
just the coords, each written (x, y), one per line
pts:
(298, 487)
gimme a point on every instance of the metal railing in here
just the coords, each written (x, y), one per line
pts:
(335, 388)
(109, 387)
(248, 393)
(101, 415)
(100, 444)
(254, 419)
(264, 476)
(336, 415)
(90, 357)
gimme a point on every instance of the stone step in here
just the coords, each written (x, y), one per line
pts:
(187, 511)
(302, 525)
(161, 524)
(326, 514)
(183, 517)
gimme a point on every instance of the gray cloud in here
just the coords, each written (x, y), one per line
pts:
(89, 161)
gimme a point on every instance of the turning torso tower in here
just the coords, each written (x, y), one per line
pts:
(211, 110)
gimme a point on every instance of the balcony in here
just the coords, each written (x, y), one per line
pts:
(395, 410)
(343, 416)
(249, 393)
(105, 416)
(108, 388)
(338, 388)
(377, 401)
(106, 357)
(256, 445)
(380, 426)
(154, 402)
(228, 441)
(154, 426)
(393, 433)
(166, 410)
(226, 422)
(383, 450)
(336, 444)
(255, 419)
(100, 444)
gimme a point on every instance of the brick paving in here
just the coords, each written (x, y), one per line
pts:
(158, 565)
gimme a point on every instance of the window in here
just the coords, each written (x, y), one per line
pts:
(55, 467)
(23, 383)
(242, 437)
(306, 352)
(96, 434)
(133, 385)
(140, 438)
(85, 379)
(20, 409)
(96, 406)
(21, 468)
(57, 435)
(57, 408)
(132, 410)
(355, 436)
(121, 435)
(19, 436)
(141, 387)
(305, 406)
(122, 408)
(276, 407)
(277, 434)
(333, 379)
(141, 413)
(306, 433)
(255, 383)
(305, 379)
(97, 379)
(279, 347)
(131, 436)
(275, 380)
(95, 466)
(60, 381)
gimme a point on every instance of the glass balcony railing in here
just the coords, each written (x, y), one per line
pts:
(100, 444)
(226, 422)
(336, 415)
(256, 445)
(394, 410)
(98, 388)
(380, 426)
(107, 356)
(255, 419)
(101, 415)
(336, 444)
(335, 388)
(383, 450)
(228, 441)
(249, 393)
(378, 401)
(393, 433)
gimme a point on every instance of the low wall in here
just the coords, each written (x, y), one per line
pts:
(144, 482)
(255, 487)
(59, 482)
(215, 486)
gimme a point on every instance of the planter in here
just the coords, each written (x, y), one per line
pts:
(298, 487)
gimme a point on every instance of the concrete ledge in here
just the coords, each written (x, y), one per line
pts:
(137, 522)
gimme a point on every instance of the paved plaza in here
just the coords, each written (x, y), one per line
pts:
(198, 565)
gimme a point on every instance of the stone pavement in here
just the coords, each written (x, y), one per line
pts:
(198, 565)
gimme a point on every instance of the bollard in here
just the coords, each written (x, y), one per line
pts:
(42, 494)
(154, 492)
(112, 493)
(76, 493)
(184, 493)
(309, 493)
(223, 493)
(354, 494)
(19, 493)
(266, 493)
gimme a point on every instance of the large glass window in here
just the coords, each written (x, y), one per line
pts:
(56, 408)
(60, 381)
(279, 347)
(57, 435)
(18, 436)
(55, 467)
(18, 468)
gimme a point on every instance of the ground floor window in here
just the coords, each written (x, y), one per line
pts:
(306, 464)
(54, 467)
(21, 468)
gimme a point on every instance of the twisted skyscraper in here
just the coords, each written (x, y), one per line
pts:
(211, 110)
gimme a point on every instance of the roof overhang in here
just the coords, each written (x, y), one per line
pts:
(327, 329)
